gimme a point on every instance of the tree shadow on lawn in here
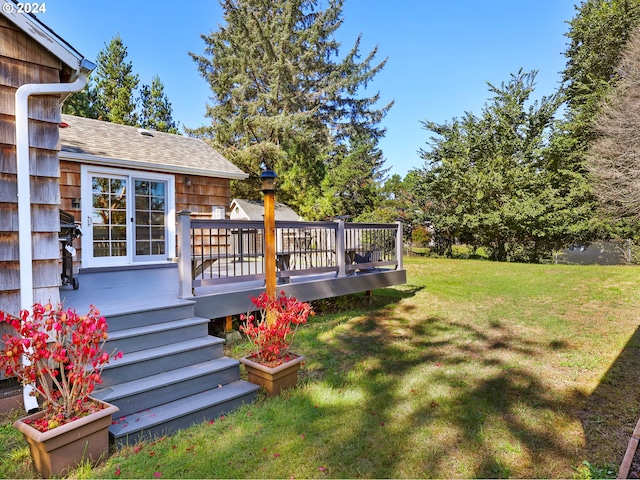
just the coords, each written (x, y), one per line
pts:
(447, 399)
(611, 412)
(382, 298)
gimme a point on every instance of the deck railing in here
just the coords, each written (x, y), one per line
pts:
(213, 252)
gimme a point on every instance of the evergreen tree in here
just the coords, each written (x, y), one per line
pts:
(352, 183)
(156, 111)
(83, 103)
(487, 179)
(598, 34)
(281, 96)
(115, 85)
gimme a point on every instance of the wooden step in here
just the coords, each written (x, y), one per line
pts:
(155, 335)
(169, 417)
(148, 311)
(161, 359)
(143, 393)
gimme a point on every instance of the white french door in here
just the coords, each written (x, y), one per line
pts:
(149, 220)
(127, 217)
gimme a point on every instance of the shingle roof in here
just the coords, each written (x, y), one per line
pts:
(255, 210)
(110, 144)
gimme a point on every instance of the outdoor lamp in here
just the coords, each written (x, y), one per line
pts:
(268, 179)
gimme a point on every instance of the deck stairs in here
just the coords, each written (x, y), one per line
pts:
(172, 374)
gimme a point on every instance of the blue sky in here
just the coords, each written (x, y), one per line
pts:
(440, 53)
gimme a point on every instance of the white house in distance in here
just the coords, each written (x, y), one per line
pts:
(254, 210)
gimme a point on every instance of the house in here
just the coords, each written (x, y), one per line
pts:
(254, 210)
(39, 70)
(124, 185)
(143, 199)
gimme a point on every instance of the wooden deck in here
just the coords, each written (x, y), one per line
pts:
(173, 373)
(116, 292)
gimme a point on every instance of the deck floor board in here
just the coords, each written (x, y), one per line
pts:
(116, 292)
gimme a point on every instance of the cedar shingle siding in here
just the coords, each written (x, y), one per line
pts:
(23, 61)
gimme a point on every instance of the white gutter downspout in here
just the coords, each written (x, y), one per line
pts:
(24, 188)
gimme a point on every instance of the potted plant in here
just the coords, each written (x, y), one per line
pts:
(59, 355)
(271, 332)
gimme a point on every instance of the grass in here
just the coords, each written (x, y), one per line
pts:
(472, 369)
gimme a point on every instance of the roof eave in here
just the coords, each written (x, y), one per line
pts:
(118, 162)
(47, 38)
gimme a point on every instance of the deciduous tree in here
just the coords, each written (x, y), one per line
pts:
(614, 157)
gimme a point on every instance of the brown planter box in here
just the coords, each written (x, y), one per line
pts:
(61, 449)
(273, 379)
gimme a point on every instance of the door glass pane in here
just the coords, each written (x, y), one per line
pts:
(150, 229)
(142, 188)
(100, 233)
(142, 202)
(109, 215)
(119, 233)
(157, 233)
(157, 204)
(142, 248)
(142, 233)
(157, 189)
(100, 216)
(157, 248)
(119, 249)
(100, 200)
(157, 218)
(119, 217)
(142, 218)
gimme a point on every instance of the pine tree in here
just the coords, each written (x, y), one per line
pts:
(115, 85)
(281, 96)
(352, 184)
(83, 103)
(598, 34)
(156, 111)
(487, 180)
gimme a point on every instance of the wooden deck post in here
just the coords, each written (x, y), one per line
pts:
(185, 279)
(341, 256)
(399, 246)
(268, 188)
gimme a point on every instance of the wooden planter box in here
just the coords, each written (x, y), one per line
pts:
(61, 449)
(273, 379)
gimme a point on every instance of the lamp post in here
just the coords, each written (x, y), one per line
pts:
(268, 179)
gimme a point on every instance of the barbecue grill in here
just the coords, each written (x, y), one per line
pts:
(68, 232)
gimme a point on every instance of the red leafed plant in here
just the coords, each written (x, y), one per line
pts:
(272, 330)
(61, 354)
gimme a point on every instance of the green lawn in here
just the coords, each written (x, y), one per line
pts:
(472, 369)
